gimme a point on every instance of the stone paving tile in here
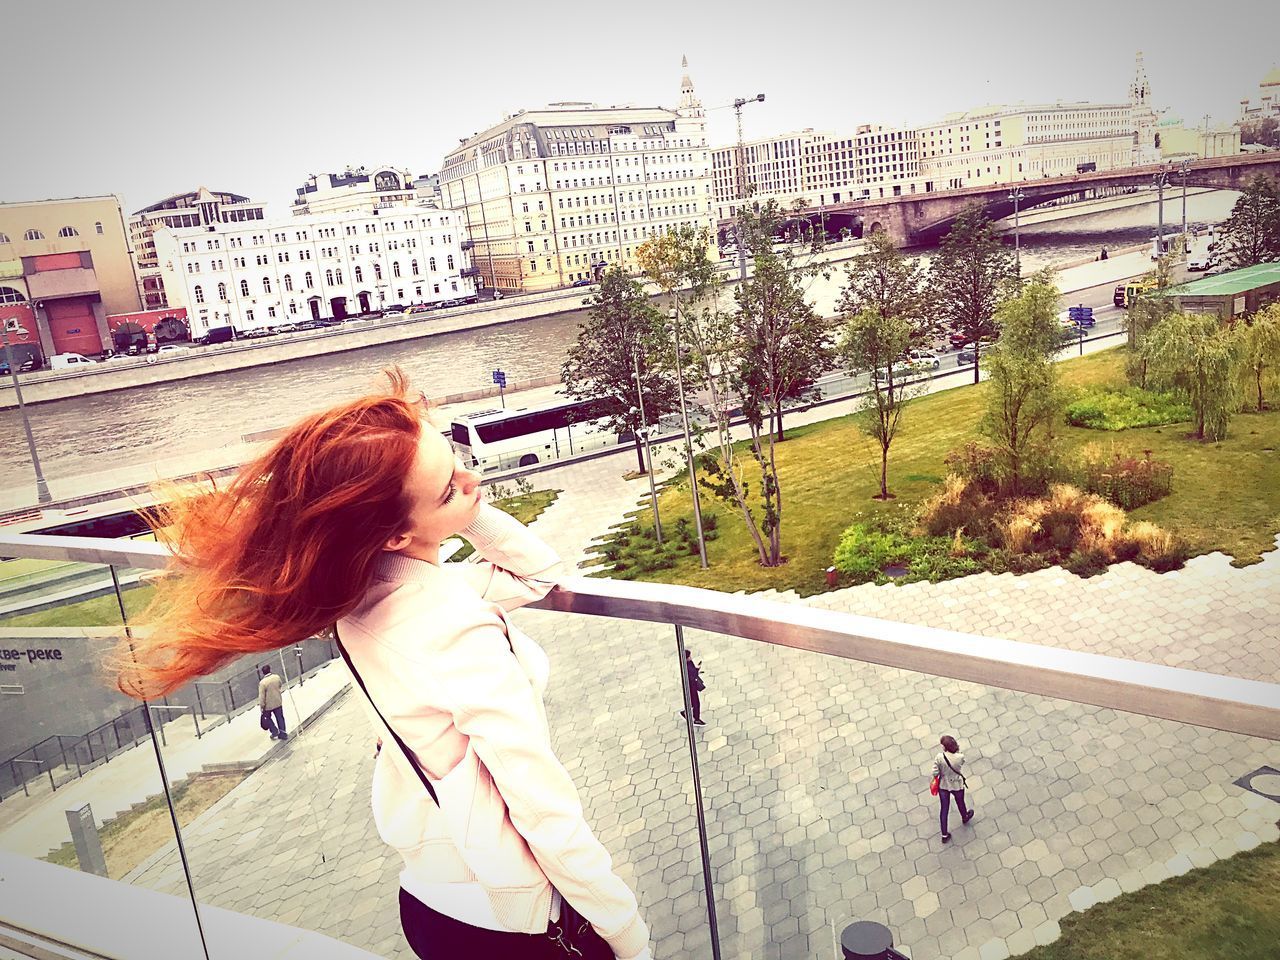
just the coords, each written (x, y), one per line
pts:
(814, 769)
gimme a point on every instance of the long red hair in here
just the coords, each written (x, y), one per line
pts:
(288, 548)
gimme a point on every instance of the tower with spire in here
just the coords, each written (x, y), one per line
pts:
(691, 118)
(1146, 142)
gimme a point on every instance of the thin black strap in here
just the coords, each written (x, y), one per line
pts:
(405, 750)
(944, 760)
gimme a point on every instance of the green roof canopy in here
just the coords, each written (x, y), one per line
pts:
(1229, 284)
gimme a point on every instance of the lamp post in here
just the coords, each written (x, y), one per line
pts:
(688, 442)
(42, 488)
(1160, 181)
(1184, 171)
(648, 451)
(1017, 196)
(738, 104)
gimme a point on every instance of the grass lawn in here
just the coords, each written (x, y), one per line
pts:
(1226, 496)
(97, 612)
(132, 837)
(1227, 911)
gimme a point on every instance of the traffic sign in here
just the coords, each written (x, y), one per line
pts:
(500, 378)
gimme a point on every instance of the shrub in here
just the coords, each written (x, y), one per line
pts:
(1158, 549)
(976, 462)
(1123, 479)
(960, 504)
(1120, 408)
(863, 552)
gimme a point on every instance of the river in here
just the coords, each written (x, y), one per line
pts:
(78, 436)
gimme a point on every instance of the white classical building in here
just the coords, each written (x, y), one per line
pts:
(551, 196)
(256, 275)
(355, 190)
(1267, 103)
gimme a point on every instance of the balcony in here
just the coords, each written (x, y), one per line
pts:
(468, 244)
(800, 806)
(471, 271)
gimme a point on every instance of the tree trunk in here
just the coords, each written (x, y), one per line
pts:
(1200, 424)
(779, 436)
(640, 455)
(884, 472)
(975, 361)
(1259, 389)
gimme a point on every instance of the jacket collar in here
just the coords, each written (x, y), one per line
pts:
(398, 567)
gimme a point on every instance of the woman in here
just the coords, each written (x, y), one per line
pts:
(341, 522)
(951, 783)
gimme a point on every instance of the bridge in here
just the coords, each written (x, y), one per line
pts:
(924, 217)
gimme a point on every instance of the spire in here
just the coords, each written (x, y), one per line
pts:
(688, 99)
(1140, 88)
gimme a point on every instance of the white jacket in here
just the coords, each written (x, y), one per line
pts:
(463, 689)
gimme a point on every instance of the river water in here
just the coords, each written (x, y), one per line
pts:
(75, 437)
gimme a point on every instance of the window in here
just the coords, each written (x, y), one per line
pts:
(68, 232)
(359, 275)
(271, 312)
(248, 316)
(395, 268)
(98, 227)
(328, 277)
(308, 278)
(288, 282)
(338, 274)
(449, 262)
(431, 264)
(199, 293)
(377, 271)
(33, 234)
(266, 284)
(222, 292)
(413, 266)
(244, 288)
(4, 238)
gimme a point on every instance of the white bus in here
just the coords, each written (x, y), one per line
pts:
(502, 439)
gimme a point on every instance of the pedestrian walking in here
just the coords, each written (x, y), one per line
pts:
(271, 704)
(696, 686)
(338, 525)
(950, 783)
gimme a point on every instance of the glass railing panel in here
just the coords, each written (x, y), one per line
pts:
(83, 802)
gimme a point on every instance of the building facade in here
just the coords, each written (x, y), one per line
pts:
(358, 190)
(1178, 141)
(65, 265)
(806, 168)
(253, 276)
(1267, 103)
(199, 208)
(552, 196)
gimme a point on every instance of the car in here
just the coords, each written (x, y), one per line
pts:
(966, 356)
(310, 325)
(257, 334)
(172, 348)
(923, 358)
(957, 338)
(1117, 295)
(23, 367)
(584, 282)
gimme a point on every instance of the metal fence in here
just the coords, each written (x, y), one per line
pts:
(60, 759)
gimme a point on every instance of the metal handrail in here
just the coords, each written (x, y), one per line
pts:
(1233, 704)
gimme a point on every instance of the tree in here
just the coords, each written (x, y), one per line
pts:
(971, 275)
(875, 343)
(1023, 399)
(1251, 235)
(1143, 315)
(881, 280)
(1265, 131)
(623, 333)
(1260, 347)
(1198, 357)
(777, 349)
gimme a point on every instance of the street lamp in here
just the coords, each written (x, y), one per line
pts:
(1184, 171)
(1160, 181)
(688, 442)
(648, 452)
(738, 104)
(42, 488)
(1017, 196)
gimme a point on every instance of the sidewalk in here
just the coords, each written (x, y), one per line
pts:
(34, 825)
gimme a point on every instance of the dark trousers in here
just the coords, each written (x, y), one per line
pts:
(695, 702)
(433, 935)
(275, 722)
(945, 796)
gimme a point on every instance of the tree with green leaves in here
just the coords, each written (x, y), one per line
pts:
(1143, 315)
(1198, 357)
(1024, 401)
(1251, 234)
(971, 275)
(622, 339)
(883, 281)
(1260, 348)
(875, 343)
(777, 350)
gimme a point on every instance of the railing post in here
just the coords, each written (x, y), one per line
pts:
(196, 721)
(75, 753)
(697, 796)
(226, 703)
(199, 700)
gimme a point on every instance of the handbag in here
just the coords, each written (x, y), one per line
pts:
(262, 719)
(571, 933)
(934, 783)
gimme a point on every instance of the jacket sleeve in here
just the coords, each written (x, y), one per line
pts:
(493, 704)
(517, 568)
(262, 695)
(937, 766)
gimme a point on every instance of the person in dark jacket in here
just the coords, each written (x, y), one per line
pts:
(696, 685)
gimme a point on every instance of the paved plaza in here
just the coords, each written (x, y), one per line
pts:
(815, 769)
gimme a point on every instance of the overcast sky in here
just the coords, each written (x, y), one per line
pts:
(147, 100)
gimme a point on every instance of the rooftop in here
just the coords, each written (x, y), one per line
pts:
(1227, 284)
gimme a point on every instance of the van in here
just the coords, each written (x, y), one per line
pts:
(61, 361)
(219, 335)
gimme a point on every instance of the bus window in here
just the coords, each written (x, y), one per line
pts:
(500, 440)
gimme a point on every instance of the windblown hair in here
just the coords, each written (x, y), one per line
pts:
(949, 744)
(287, 549)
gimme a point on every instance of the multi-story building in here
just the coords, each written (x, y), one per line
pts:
(1178, 141)
(808, 168)
(1268, 102)
(65, 265)
(251, 276)
(199, 208)
(551, 196)
(359, 190)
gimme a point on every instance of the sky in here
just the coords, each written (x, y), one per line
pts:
(144, 100)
